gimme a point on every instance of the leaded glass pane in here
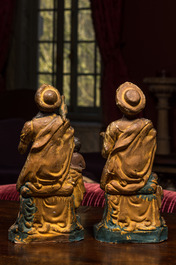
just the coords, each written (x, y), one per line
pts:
(67, 57)
(98, 61)
(86, 57)
(45, 32)
(85, 91)
(66, 88)
(46, 4)
(44, 79)
(45, 57)
(83, 3)
(85, 26)
(67, 3)
(67, 25)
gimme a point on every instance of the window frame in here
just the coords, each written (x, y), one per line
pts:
(75, 112)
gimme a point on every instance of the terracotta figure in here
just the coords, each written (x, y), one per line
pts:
(76, 168)
(47, 210)
(133, 196)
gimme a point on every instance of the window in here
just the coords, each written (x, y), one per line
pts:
(68, 57)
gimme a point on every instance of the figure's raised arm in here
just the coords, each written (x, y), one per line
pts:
(25, 137)
(110, 137)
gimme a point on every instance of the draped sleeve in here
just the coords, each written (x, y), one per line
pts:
(25, 137)
(110, 139)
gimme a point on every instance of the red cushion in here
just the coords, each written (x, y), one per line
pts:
(169, 202)
(9, 192)
(94, 196)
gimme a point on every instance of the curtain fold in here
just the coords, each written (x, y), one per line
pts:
(107, 17)
(6, 20)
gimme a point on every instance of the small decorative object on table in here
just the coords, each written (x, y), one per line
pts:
(133, 196)
(47, 180)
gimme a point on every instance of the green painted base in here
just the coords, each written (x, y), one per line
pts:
(61, 227)
(76, 235)
(19, 237)
(108, 235)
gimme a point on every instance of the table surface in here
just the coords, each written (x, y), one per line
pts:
(87, 251)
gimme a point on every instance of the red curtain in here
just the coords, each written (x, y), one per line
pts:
(6, 18)
(107, 23)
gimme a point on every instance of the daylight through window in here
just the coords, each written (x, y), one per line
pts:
(68, 57)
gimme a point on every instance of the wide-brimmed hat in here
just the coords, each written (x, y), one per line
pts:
(130, 98)
(47, 98)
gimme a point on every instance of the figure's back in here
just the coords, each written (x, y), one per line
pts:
(131, 190)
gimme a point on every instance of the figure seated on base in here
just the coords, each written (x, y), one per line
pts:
(133, 196)
(46, 182)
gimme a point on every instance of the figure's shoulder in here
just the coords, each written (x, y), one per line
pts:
(27, 129)
(146, 121)
(114, 125)
(47, 119)
(27, 126)
(120, 125)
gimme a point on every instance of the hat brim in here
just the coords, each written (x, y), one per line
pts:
(42, 105)
(124, 106)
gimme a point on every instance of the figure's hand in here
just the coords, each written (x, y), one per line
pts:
(66, 190)
(41, 190)
(110, 189)
(31, 190)
(25, 191)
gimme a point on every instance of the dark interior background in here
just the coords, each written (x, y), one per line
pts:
(148, 40)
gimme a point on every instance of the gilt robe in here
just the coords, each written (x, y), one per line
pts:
(130, 151)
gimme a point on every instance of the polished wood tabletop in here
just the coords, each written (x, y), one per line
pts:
(87, 251)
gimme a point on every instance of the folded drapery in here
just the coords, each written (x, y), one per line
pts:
(94, 196)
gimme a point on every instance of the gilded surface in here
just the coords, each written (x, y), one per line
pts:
(45, 165)
(48, 183)
(76, 168)
(128, 165)
(133, 196)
